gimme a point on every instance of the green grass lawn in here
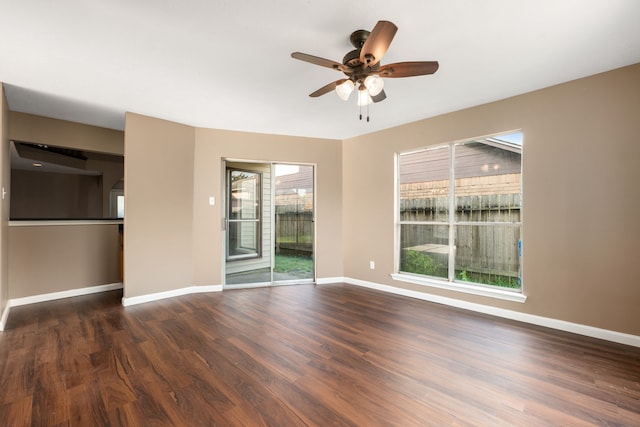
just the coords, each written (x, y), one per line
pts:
(284, 264)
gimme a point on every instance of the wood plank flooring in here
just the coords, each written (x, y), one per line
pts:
(329, 355)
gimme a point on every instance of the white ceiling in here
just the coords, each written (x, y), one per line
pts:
(226, 64)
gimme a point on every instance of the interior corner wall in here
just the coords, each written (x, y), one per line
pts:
(5, 177)
(158, 220)
(173, 236)
(580, 194)
(212, 146)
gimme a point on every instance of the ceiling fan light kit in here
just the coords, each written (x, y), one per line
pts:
(362, 66)
(374, 84)
(364, 98)
(344, 89)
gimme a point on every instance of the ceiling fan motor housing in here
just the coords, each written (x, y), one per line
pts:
(357, 71)
(352, 58)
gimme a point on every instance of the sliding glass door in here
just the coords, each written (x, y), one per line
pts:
(269, 223)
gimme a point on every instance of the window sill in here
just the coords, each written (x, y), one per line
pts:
(462, 287)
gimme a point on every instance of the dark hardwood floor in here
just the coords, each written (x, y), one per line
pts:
(303, 355)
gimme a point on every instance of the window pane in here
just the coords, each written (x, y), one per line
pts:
(245, 195)
(120, 206)
(488, 254)
(483, 208)
(424, 185)
(424, 249)
(243, 238)
(487, 182)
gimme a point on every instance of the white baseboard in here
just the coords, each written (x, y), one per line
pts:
(605, 334)
(562, 325)
(63, 294)
(5, 316)
(327, 280)
(141, 299)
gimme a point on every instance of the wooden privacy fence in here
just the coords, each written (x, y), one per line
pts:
(294, 231)
(489, 247)
(482, 208)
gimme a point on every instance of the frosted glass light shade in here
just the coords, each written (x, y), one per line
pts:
(344, 89)
(364, 98)
(374, 84)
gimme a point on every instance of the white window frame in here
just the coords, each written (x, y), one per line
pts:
(450, 283)
(257, 221)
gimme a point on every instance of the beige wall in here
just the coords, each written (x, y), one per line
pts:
(214, 145)
(37, 129)
(158, 177)
(173, 237)
(580, 190)
(46, 195)
(55, 258)
(5, 177)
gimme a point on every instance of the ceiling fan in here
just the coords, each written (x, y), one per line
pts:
(362, 67)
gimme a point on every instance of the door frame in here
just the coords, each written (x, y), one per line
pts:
(271, 219)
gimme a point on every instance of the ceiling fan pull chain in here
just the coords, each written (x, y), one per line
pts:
(368, 113)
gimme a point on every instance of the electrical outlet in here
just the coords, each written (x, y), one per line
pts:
(372, 265)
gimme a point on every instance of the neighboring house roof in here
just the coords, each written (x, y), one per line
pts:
(295, 179)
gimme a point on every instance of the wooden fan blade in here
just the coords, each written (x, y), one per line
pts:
(408, 69)
(377, 43)
(318, 61)
(327, 88)
(379, 97)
